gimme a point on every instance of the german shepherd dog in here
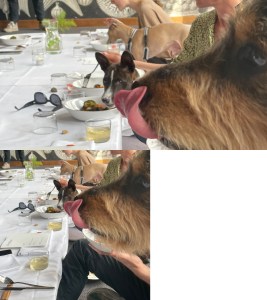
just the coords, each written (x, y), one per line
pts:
(117, 76)
(217, 101)
(66, 193)
(119, 213)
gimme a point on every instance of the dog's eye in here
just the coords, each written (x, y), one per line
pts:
(252, 55)
(146, 184)
(260, 61)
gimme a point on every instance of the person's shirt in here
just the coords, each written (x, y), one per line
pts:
(84, 158)
(112, 172)
(201, 37)
(152, 14)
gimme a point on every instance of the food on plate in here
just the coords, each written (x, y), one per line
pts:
(12, 37)
(98, 86)
(52, 210)
(91, 105)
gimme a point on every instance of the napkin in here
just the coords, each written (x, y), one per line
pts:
(8, 263)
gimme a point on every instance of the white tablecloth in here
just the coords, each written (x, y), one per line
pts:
(11, 223)
(18, 86)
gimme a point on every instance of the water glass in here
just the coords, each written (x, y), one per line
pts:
(7, 63)
(45, 122)
(20, 180)
(32, 197)
(38, 55)
(59, 80)
(39, 263)
(97, 131)
(78, 51)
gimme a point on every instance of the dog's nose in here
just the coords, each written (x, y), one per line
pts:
(72, 209)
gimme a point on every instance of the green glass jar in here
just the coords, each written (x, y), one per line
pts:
(29, 173)
(53, 40)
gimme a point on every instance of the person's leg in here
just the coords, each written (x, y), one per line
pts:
(38, 6)
(7, 156)
(20, 155)
(13, 10)
(81, 260)
(6, 159)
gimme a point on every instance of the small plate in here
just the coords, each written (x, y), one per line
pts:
(99, 45)
(15, 39)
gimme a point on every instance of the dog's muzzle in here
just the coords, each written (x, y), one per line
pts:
(72, 209)
(127, 103)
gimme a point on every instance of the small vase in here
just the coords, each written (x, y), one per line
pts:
(29, 174)
(53, 40)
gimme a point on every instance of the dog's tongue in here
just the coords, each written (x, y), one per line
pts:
(71, 207)
(127, 103)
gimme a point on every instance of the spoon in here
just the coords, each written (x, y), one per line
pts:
(8, 280)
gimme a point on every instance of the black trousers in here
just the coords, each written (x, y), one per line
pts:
(81, 259)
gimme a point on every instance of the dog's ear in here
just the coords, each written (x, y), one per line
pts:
(127, 61)
(102, 60)
(57, 184)
(72, 185)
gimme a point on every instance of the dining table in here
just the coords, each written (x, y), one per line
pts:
(12, 191)
(18, 86)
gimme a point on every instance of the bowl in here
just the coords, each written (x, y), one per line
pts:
(41, 210)
(100, 45)
(92, 239)
(15, 39)
(74, 106)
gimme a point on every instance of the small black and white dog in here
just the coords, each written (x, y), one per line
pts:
(117, 76)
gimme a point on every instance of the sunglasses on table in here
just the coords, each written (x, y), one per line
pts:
(22, 205)
(40, 98)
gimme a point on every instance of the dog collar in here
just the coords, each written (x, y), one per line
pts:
(130, 41)
(146, 50)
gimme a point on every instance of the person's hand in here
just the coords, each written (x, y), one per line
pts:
(109, 21)
(113, 57)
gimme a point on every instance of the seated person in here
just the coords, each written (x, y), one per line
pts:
(125, 273)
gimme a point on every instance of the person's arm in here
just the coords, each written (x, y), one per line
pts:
(133, 263)
(130, 261)
(115, 58)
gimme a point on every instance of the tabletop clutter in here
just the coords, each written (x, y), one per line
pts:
(34, 233)
(57, 69)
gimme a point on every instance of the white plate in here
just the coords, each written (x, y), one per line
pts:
(20, 39)
(91, 237)
(11, 49)
(74, 106)
(99, 45)
(41, 210)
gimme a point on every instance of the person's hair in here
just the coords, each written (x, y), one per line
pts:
(158, 2)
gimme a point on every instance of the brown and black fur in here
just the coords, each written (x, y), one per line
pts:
(219, 100)
(120, 212)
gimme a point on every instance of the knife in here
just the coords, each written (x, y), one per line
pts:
(26, 288)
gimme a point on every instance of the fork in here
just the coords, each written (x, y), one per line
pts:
(49, 194)
(87, 77)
